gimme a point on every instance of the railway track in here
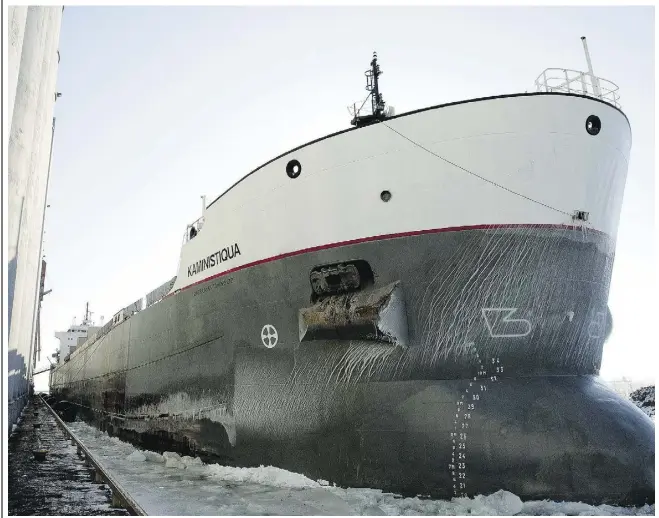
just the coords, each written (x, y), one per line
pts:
(120, 496)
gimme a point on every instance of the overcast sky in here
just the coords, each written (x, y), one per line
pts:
(161, 105)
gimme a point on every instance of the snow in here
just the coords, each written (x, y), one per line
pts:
(170, 484)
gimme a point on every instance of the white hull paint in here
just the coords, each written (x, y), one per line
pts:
(536, 162)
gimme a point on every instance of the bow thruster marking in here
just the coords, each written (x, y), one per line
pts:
(500, 325)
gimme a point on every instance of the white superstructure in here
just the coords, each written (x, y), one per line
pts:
(74, 336)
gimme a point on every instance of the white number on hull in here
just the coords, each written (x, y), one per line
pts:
(500, 318)
(269, 336)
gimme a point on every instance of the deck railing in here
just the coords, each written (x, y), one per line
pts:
(577, 82)
(149, 299)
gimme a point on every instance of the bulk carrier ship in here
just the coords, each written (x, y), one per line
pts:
(417, 304)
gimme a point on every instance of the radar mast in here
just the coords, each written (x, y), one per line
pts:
(377, 103)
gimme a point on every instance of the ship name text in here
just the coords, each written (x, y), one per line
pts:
(218, 257)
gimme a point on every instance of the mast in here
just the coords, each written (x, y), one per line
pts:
(377, 103)
(594, 81)
(86, 321)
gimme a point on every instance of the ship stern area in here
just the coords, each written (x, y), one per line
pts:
(467, 364)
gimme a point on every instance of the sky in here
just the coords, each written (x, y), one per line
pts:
(161, 105)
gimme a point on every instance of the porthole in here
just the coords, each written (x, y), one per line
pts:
(593, 124)
(293, 168)
(385, 196)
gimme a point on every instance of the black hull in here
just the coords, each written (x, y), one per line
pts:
(503, 341)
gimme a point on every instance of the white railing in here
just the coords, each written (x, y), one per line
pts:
(576, 82)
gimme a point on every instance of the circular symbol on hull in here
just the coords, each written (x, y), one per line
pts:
(269, 336)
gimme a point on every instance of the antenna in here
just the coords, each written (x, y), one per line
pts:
(376, 98)
(88, 314)
(594, 81)
(377, 103)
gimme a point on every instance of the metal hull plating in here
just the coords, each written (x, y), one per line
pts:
(505, 333)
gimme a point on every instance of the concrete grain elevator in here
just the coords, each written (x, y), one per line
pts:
(33, 61)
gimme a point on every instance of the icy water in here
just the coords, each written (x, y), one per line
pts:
(169, 484)
(60, 485)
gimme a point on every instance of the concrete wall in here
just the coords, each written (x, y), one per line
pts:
(33, 62)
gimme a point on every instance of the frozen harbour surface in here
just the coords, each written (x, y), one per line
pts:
(170, 484)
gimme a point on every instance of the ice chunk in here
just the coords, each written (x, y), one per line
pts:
(152, 456)
(373, 510)
(191, 461)
(269, 476)
(174, 463)
(171, 455)
(173, 460)
(503, 503)
(136, 456)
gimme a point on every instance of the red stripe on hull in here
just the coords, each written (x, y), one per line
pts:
(381, 237)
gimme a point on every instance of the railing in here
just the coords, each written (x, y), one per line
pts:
(576, 82)
(149, 299)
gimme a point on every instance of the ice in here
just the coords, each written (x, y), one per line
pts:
(173, 460)
(136, 456)
(265, 475)
(191, 461)
(502, 503)
(373, 510)
(152, 456)
(170, 484)
(183, 406)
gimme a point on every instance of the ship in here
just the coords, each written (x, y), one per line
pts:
(417, 303)
(75, 336)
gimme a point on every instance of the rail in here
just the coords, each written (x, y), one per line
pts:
(577, 82)
(119, 494)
